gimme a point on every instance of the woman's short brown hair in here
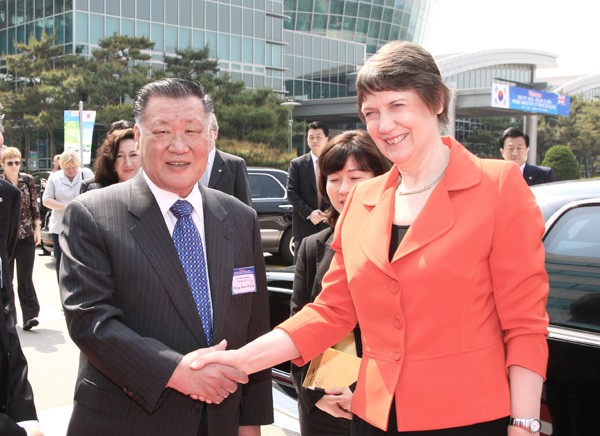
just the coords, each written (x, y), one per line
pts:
(403, 66)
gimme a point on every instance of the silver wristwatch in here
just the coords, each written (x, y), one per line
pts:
(532, 424)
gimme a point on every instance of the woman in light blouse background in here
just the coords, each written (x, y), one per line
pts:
(61, 188)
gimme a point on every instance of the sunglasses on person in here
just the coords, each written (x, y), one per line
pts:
(10, 163)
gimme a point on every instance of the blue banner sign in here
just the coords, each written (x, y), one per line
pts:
(530, 100)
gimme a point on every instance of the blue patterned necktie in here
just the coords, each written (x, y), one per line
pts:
(188, 244)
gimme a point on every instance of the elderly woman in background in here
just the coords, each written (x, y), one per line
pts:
(346, 160)
(117, 161)
(61, 188)
(28, 236)
(440, 262)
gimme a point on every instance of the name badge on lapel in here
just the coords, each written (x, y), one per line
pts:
(244, 281)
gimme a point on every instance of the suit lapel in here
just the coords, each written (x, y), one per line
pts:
(217, 170)
(324, 255)
(153, 237)
(219, 254)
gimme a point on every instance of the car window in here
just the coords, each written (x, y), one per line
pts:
(265, 186)
(573, 264)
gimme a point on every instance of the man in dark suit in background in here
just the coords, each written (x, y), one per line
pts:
(225, 172)
(514, 145)
(302, 185)
(16, 396)
(139, 309)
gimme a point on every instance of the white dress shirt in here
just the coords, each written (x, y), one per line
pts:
(166, 199)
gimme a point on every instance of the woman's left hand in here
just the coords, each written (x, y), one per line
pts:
(336, 402)
(37, 235)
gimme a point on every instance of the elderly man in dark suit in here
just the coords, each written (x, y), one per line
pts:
(225, 172)
(16, 396)
(514, 145)
(302, 192)
(155, 270)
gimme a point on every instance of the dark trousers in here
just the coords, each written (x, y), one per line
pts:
(24, 257)
(490, 428)
(57, 252)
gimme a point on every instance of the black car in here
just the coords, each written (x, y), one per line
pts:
(572, 389)
(269, 199)
(572, 243)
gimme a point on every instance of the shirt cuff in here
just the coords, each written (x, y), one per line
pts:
(29, 424)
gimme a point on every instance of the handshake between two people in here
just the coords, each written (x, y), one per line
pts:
(208, 374)
(212, 374)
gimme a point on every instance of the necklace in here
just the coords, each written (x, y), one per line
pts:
(426, 188)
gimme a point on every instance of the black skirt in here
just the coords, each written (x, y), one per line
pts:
(498, 427)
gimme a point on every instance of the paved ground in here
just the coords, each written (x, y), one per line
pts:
(53, 360)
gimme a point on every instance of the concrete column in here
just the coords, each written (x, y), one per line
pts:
(530, 123)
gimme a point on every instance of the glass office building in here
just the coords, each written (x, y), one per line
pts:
(306, 49)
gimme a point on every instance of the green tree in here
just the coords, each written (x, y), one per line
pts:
(42, 82)
(255, 116)
(118, 69)
(562, 159)
(194, 65)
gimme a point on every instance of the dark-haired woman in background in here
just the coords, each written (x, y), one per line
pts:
(347, 159)
(117, 161)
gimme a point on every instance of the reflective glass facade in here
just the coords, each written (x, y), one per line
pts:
(245, 35)
(322, 67)
(305, 48)
(371, 22)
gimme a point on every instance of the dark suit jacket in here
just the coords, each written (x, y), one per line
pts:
(302, 195)
(16, 396)
(89, 184)
(534, 175)
(313, 260)
(130, 310)
(10, 213)
(229, 175)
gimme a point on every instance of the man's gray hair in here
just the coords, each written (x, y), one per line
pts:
(170, 88)
(214, 124)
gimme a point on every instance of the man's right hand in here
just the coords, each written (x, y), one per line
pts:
(212, 383)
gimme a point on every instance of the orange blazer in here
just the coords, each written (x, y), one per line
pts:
(463, 298)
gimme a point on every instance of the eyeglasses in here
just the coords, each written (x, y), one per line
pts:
(13, 162)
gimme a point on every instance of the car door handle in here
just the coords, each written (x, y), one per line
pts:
(285, 206)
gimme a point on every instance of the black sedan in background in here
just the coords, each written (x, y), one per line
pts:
(269, 199)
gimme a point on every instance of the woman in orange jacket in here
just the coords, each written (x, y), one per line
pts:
(441, 263)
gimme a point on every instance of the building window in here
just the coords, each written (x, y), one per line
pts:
(112, 26)
(185, 12)
(247, 51)
(185, 38)
(142, 29)
(170, 39)
(96, 28)
(157, 36)
(158, 11)
(143, 9)
(113, 7)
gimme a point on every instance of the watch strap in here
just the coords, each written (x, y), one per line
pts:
(533, 425)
